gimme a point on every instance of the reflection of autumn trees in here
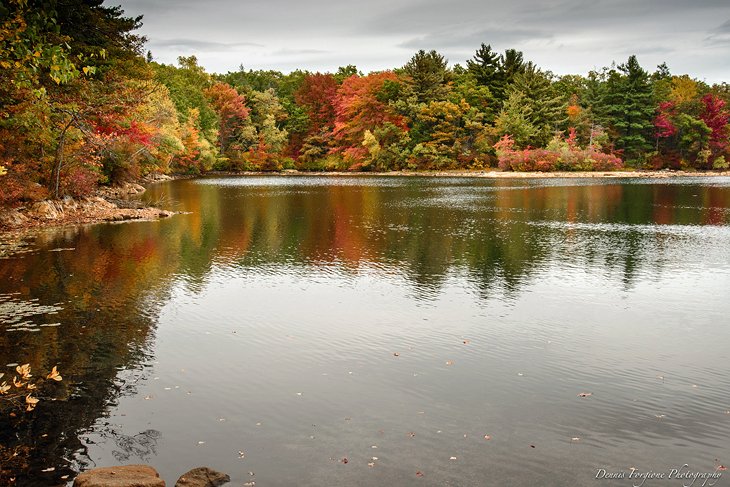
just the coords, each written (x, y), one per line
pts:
(491, 232)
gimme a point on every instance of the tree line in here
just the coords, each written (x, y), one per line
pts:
(82, 105)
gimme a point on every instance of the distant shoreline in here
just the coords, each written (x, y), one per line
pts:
(659, 174)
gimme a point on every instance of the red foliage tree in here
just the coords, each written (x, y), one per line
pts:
(359, 108)
(231, 109)
(716, 118)
(663, 125)
(316, 95)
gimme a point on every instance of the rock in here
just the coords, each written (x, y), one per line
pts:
(45, 210)
(125, 476)
(202, 477)
(12, 218)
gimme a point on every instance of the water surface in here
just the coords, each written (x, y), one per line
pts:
(283, 324)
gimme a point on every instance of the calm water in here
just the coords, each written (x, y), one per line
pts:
(306, 320)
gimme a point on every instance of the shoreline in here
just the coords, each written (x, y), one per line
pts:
(106, 205)
(489, 174)
(111, 204)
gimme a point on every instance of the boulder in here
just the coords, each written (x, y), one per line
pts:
(202, 477)
(45, 210)
(125, 476)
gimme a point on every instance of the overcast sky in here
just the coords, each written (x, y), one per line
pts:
(564, 36)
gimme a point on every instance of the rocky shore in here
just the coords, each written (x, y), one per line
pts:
(146, 476)
(107, 205)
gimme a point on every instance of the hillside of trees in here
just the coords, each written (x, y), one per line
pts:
(82, 104)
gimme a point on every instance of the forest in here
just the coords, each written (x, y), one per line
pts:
(83, 104)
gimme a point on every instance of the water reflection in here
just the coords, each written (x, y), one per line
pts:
(269, 286)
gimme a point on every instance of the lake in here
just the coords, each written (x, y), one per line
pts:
(322, 331)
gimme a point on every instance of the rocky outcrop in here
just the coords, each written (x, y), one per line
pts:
(69, 212)
(126, 476)
(202, 477)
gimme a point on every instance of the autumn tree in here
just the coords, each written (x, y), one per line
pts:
(232, 113)
(358, 108)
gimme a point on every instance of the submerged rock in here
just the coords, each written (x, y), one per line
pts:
(124, 476)
(202, 477)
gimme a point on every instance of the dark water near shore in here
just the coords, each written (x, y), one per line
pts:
(305, 320)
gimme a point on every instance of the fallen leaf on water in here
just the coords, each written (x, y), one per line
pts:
(31, 402)
(24, 371)
(721, 468)
(585, 394)
(54, 375)
(371, 464)
(419, 474)
(487, 437)
(449, 362)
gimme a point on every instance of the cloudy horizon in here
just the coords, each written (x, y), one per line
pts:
(563, 36)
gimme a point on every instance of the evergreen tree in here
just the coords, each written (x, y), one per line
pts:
(629, 107)
(486, 67)
(545, 105)
(515, 120)
(428, 75)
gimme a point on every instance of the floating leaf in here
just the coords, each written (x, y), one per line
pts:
(31, 402)
(24, 371)
(419, 474)
(371, 464)
(585, 394)
(54, 375)
(449, 362)
(487, 437)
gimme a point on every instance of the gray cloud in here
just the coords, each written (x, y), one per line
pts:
(564, 36)
(495, 35)
(719, 36)
(200, 45)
